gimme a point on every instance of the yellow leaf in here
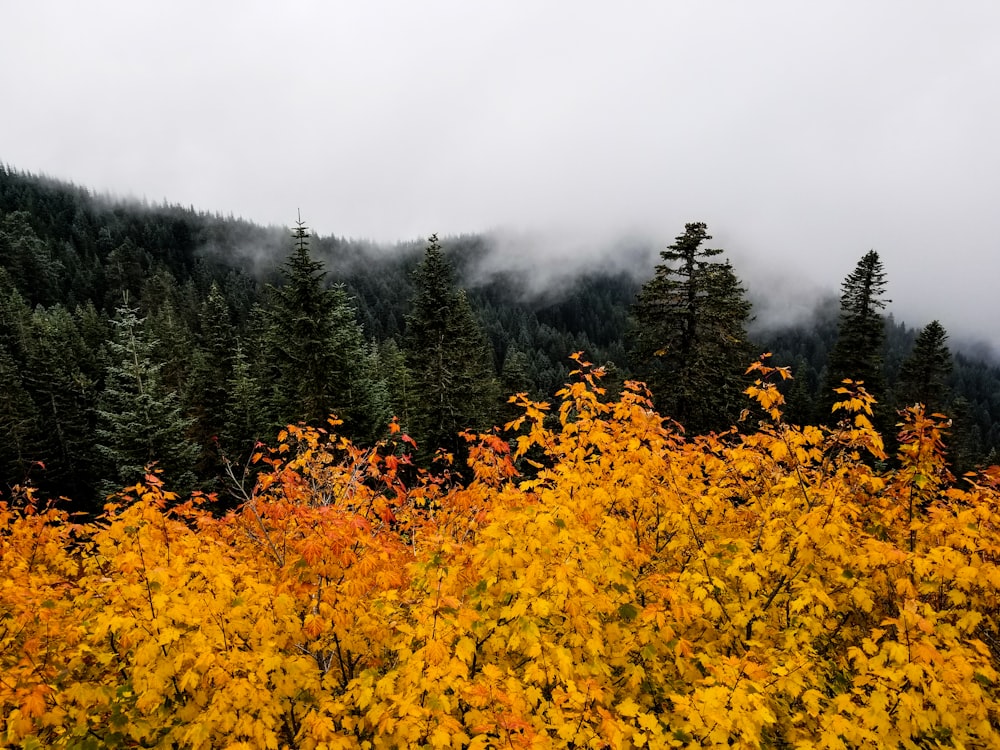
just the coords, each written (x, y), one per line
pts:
(465, 649)
(628, 707)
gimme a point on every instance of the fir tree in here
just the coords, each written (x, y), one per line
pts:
(207, 395)
(19, 423)
(28, 259)
(923, 378)
(857, 355)
(246, 420)
(140, 421)
(315, 347)
(399, 383)
(447, 357)
(61, 374)
(690, 341)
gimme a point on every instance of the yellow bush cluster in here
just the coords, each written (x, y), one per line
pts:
(769, 587)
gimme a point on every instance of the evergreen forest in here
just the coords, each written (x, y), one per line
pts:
(136, 336)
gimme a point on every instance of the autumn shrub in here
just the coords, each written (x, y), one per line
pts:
(773, 586)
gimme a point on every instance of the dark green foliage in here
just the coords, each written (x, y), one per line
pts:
(858, 353)
(19, 423)
(246, 420)
(64, 375)
(447, 358)
(222, 366)
(27, 258)
(315, 349)
(212, 365)
(923, 377)
(800, 404)
(399, 386)
(690, 341)
(139, 419)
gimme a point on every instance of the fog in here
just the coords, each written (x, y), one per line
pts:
(803, 134)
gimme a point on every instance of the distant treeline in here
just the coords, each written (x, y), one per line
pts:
(132, 334)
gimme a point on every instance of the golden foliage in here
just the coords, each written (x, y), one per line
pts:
(637, 588)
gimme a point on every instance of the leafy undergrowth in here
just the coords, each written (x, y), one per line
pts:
(639, 588)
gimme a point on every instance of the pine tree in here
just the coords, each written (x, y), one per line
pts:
(315, 347)
(514, 376)
(690, 342)
(207, 395)
(28, 259)
(375, 394)
(965, 439)
(923, 377)
(62, 375)
(800, 399)
(514, 379)
(454, 386)
(139, 420)
(857, 355)
(246, 420)
(399, 383)
(19, 424)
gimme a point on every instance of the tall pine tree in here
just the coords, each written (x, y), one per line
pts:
(207, 394)
(139, 420)
(690, 341)
(453, 379)
(857, 355)
(923, 378)
(315, 348)
(62, 374)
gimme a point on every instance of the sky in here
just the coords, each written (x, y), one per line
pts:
(803, 134)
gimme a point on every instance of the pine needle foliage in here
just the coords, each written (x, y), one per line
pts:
(690, 341)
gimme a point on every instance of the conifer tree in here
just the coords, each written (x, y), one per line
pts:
(923, 377)
(800, 399)
(19, 423)
(965, 438)
(246, 421)
(447, 358)
(61, 374)
(139, 420)
(861, 333)
(399, 383)
(173, 346)
(514, 379)
(690, 342)
(315, 347)
(207, 395)
(28, 259)
(514, 376)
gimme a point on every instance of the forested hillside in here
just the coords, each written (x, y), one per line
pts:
(135, 334)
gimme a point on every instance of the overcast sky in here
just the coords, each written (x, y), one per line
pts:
(803, 133)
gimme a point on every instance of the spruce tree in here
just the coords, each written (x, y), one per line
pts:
(139, 420)
(62, 375)
(454, 386)
(923, 377)
(28, 259)
(857, 355)
(246, 420)
(207, 395)
(690, 342)
(398, 381)
(313, 343)
(19, 424)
